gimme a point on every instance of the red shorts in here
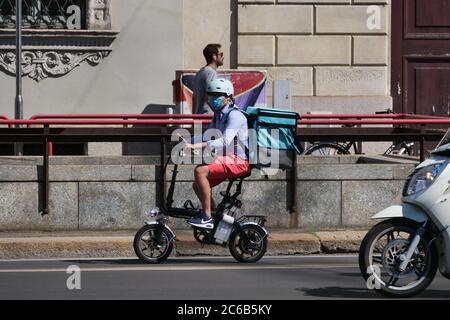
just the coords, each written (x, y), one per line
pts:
(227, 167)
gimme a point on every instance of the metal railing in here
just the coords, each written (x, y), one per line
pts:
(304, 117)
(356, 121)
(5, 117)
(164, 119)
(208, 116)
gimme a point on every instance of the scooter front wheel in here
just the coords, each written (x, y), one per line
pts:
(248, 244)
(153, 243)
(381, 254)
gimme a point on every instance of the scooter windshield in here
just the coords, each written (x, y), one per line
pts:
(444, 145)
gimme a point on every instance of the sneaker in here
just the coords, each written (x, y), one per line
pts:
(194, 218)
(202, 222)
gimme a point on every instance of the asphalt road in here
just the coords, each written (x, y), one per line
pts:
(188, 278)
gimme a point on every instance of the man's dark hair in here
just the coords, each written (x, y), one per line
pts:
(210, 50)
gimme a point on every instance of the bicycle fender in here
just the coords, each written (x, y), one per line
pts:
(266, 233)
(172, 234)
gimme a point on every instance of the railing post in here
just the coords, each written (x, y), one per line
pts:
(162, 177)
(18, 147)
(46, 172)
(359, 143)
(125, 143)
(294, 205)
(422, 149)
(422, 142)
(50, 149)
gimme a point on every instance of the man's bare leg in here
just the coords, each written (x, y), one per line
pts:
(196, 190)
(203, 188)
(197, 193)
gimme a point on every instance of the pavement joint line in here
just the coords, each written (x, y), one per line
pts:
(185, 268)
(311, 256)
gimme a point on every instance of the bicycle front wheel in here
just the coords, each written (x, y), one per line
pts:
(153, 243)
(325, 149)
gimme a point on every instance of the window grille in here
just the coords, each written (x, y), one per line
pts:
(42, 14)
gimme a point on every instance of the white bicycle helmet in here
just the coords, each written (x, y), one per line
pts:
(220, 85)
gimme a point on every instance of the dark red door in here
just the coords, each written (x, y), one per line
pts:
(421, 56)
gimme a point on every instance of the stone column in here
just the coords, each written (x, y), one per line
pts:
(99, 14)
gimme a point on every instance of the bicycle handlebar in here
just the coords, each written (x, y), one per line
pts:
(387, 111)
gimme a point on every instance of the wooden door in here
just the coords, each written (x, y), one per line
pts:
(421, 56)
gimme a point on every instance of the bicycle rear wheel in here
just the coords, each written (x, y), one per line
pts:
(399, 149)
(325, 149)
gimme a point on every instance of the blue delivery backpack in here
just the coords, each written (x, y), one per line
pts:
(272, 137)
(273, 140)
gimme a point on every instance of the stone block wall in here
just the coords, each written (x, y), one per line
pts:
(339, 195)
(335, 52)
(115, 193)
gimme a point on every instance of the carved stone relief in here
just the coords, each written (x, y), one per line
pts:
(55, 53)
(40, 65)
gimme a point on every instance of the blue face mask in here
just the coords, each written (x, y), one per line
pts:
(216, 103)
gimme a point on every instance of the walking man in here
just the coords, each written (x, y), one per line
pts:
(214, 58)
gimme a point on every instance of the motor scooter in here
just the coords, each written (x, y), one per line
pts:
(245, 235)
(400, 256)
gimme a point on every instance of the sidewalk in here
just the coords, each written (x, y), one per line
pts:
(22, 245)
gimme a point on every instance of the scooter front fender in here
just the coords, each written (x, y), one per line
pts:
(404, 210)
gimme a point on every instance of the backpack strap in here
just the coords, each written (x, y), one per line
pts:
(236, 140)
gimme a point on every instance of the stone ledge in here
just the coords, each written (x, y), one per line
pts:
(186, 173)
(90, 173)
(19, 173)
(346, 172)
(77, 160)
(341, 241)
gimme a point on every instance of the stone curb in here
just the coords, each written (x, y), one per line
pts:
(98, 246)
(340, 242)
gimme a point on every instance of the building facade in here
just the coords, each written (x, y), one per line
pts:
(342, 56)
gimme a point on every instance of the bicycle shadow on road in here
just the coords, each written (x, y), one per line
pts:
(137, 262)
(362, 293)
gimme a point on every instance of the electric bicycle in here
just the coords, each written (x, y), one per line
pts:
(245, 235)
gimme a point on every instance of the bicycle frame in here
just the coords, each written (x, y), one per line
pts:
(350, 144)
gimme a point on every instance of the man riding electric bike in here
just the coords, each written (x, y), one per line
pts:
(230, 147)
(245, 235)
